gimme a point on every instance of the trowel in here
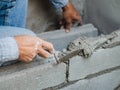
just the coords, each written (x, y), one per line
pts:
(59, 57)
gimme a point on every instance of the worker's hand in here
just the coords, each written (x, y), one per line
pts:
(70, 15)
(30, 46)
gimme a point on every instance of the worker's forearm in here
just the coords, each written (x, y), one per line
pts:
(8, 46)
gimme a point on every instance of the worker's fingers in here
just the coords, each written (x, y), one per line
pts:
(28, 56)
(43, 53)
(80, 23)
(68, 26)
(26, 59)
(48, 46)
(78, 19)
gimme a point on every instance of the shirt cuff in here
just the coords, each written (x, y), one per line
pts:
(59, 3)
(8, 50)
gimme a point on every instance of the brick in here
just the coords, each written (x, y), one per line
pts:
(107, 81)
(35, 78)
(102, 59)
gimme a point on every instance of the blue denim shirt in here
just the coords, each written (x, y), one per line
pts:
(13, 13)
(59, 3)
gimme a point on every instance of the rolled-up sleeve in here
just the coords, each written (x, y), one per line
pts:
(8, 49)
(59, 3)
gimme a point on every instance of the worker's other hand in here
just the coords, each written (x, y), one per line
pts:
(70, 15)
(30, 46)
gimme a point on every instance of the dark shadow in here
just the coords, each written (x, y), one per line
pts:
(50, 13)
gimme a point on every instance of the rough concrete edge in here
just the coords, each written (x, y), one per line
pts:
(44, 67)
(66, 84)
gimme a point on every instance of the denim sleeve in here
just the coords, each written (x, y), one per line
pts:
(59, 3)
(13, 12)
(8, 49)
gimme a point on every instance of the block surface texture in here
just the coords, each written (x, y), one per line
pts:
(35, 78)
(80, 68)
(107, 81)
(40, 74)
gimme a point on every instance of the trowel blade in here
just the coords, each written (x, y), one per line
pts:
(65, 57)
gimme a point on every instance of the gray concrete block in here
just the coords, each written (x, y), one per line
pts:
(61, 39)
(88, 28)
(35, 78)
(102, 59)
(107, 81)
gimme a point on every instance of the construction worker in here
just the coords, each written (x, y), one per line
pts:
(18, 43)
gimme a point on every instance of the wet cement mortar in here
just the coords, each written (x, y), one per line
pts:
(114, 40)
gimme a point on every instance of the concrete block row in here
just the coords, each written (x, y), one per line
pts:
(35, 78)
(37, 74)
(109, 81)
(102, 59)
